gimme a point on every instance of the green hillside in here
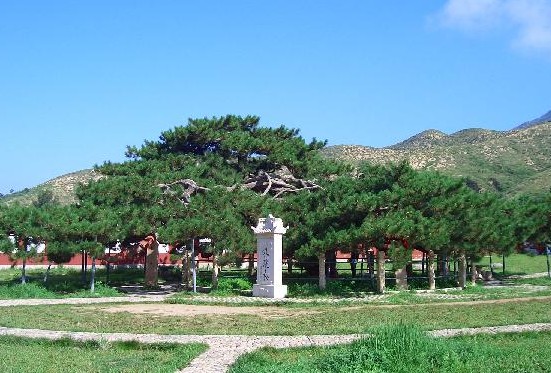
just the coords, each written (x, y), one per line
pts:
(62, 187)
(510, 162)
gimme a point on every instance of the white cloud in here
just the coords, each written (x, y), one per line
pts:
(530, 20)
(471, 15)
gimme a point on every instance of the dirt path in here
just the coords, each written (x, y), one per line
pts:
(153, 304)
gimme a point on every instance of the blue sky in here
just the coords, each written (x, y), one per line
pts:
(81, 79)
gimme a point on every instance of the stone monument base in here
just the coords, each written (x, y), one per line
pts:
(270, 291)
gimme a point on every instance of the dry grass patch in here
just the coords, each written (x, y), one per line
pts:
(172, 310)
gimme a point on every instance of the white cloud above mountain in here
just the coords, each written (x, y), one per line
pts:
(529, 20)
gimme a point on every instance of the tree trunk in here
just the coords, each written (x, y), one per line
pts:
(108, 266)
(401, 279)
(47, 274)
(251, 265)
(474, 272)
(430, 270)
(151, 261)
(93, 276)
(381, 285)
(24, 271)
(321, 267)
(371, 264)
(409, 269)
(215, 269)
(82, 268)
(443, 264)
(289, 265)
(462, 275)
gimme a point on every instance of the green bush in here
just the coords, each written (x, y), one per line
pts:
(233, 285)
(306, 289)
(25, 291)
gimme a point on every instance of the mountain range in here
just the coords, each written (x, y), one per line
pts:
(508, 162)
(543, 119)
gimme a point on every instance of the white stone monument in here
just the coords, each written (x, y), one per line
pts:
(269, 236)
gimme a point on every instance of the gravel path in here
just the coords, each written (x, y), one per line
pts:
(225, 349)
(126, 299)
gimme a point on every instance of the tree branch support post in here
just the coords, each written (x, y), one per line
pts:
(381, 281)
(401, 278)
(215, 271)
(93, 276)
(474, 272)
(430, 270)
(462, 275)
(322, 277)
(186, 270)
(193, 266)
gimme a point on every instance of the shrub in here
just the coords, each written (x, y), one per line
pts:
(233, 285)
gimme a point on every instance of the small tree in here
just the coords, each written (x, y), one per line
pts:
(24, 226)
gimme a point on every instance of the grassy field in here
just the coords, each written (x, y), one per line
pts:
(277, 319)
(36, 355)
(516, 264)
(395, 349)
(400, 348)
(62, 282)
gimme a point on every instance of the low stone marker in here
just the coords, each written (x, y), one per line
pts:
(269, 237)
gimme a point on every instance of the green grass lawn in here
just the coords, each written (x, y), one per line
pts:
(407, 349)
(280, 319)
(20, 355)
(516, 264)
(64, 282)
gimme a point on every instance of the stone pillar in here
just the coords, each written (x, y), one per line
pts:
(269, 238)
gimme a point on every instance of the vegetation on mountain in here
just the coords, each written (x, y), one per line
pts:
(61, 189)
(510, 163)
